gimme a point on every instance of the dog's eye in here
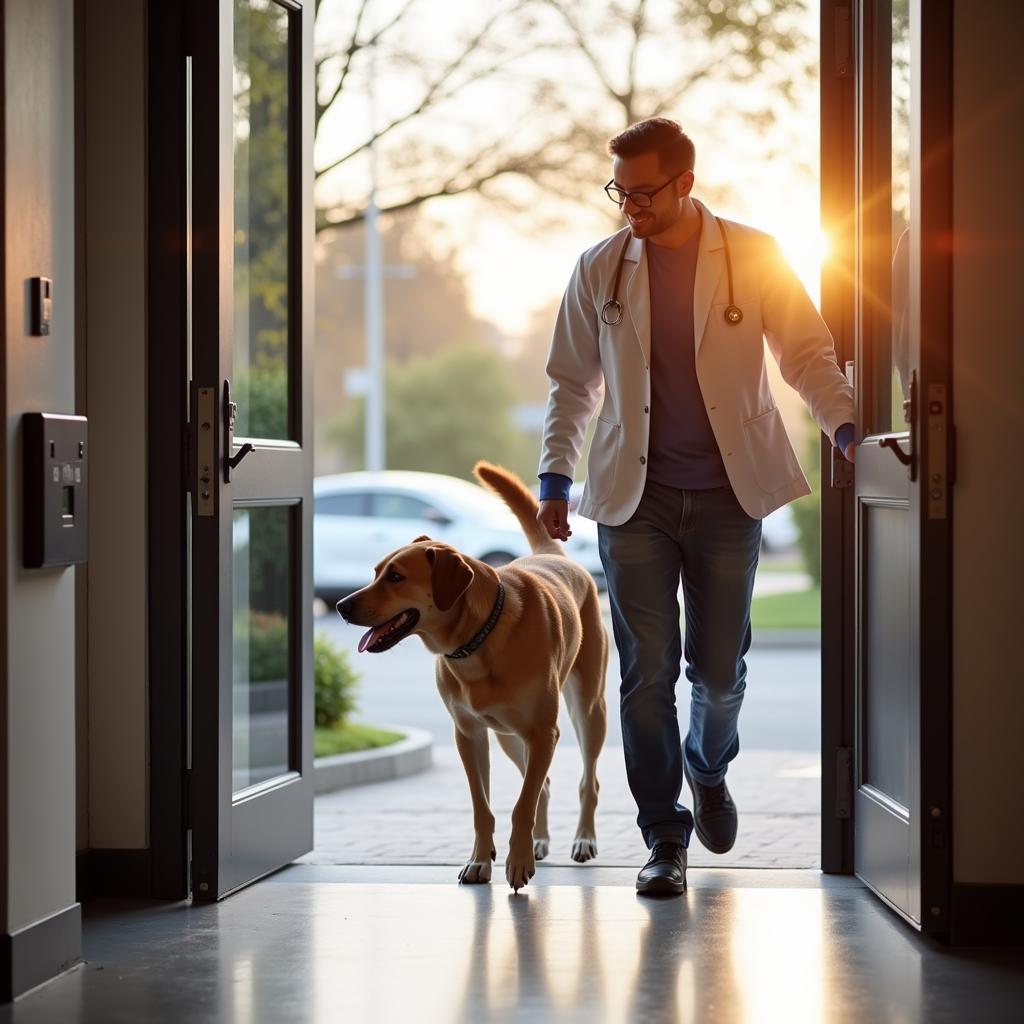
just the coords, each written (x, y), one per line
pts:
(395, 577)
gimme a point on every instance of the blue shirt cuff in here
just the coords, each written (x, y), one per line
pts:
(554, 486)
(844, 436)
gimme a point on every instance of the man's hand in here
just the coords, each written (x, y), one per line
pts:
(553, 515)
(850, 451)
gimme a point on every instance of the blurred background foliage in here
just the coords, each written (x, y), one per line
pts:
(807, 510)
(443, 413)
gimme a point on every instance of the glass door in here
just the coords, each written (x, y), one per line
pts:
(901, 490)
(249, 83)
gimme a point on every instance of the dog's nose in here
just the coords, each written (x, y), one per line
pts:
(344, 607)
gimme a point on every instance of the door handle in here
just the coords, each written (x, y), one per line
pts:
(906, 458)
(909, 458)
(233, 460)
(229, 410)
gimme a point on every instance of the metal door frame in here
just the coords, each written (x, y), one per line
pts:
(173, 806)
(838, 191)
(842, 69)
(168, 459)
(238, 836)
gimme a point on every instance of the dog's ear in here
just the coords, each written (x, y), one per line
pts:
(422, 536)
(450, 576)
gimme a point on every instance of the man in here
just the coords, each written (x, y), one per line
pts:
(689, 453)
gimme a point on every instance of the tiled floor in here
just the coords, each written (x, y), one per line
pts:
(426, 818)
(405, 944)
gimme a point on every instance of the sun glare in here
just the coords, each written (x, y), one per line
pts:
(806, 251)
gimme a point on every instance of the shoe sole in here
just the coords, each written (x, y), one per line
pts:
(704, 841)
(661, 887)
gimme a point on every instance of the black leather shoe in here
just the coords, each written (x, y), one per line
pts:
(714, 814)
(665, 873)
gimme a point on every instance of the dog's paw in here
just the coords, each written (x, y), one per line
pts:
(475, 872)
(584, 849)
(541, 848)
(520, 867)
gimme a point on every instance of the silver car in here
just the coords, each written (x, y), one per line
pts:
(359, 517)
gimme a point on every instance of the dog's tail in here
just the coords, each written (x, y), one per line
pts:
(517, 496)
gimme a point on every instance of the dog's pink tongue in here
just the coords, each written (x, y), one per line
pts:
(369, 636)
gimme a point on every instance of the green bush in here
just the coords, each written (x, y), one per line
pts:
(336, 683)
(807, 510)
(268, 646)
(807, 516)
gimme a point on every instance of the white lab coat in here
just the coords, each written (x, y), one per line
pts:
(587, 353)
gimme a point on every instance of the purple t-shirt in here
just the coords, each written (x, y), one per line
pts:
(682, 451)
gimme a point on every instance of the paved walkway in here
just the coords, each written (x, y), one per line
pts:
(426, 818)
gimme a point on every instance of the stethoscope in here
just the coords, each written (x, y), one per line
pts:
(611, 311)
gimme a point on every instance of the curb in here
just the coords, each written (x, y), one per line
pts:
(413, 754)
(786, 638)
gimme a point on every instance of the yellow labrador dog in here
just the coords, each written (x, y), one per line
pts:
(509, 642)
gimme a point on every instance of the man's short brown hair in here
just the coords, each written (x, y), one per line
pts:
(659, 135)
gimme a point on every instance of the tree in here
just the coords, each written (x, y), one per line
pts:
(443, 414)
(493, 36)
(530, 90)
(261, 221)
(424, 313)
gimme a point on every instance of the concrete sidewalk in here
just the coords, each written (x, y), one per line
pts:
(427, 818)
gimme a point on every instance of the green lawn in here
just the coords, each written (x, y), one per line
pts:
(800, 609)
(350, 738)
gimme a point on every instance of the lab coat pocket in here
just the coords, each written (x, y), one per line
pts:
(771, 455)
(603, 458)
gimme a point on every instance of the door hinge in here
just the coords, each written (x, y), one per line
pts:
(187, 467)
(844, 782)
(842, 39)
(842, 471)
(205, 448)
(937, 480)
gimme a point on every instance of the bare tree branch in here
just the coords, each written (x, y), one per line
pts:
(531, 164)
(435, 92)
(738, 42)
(354, 46)
(585, 49)
(683, 87)
(637, 25)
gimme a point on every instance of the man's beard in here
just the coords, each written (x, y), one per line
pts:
(648, 225)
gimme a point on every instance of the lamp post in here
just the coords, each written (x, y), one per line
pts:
(373, 298)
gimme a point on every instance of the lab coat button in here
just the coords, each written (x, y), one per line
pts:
(643, 460)
(646, 409)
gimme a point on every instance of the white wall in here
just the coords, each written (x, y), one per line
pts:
(988, 396)
(40, 376)
(115, 342)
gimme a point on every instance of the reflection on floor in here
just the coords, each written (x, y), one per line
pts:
(404, 944)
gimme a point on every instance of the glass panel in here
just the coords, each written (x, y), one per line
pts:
(899, 379)
(887, 629)
(262, 187)
(261, 631)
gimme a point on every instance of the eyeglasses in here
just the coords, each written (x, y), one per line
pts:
(619, 196)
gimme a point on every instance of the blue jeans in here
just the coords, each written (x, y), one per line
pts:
(706, 539)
